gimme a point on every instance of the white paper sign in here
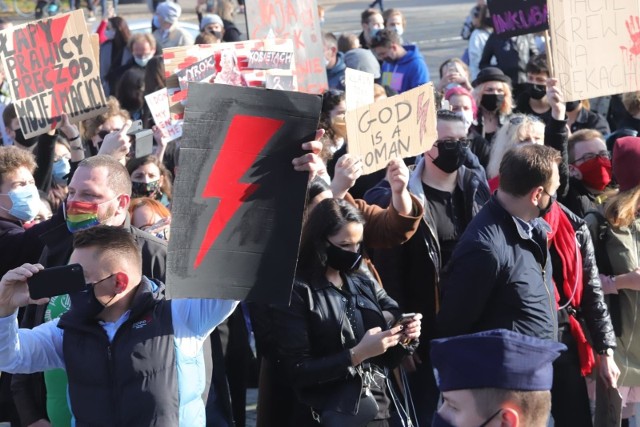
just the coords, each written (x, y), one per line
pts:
(158, 103)
(358, 88)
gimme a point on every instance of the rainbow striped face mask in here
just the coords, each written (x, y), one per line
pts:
(82, 215)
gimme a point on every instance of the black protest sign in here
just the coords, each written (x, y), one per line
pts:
(517, 17)
(51, 69)
(238, 203)
(201, 71)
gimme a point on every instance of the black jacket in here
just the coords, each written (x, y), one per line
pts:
(499, 278)
(593, 308)
(512, 55)
(132, 380)
(314, 336)
(411, 272)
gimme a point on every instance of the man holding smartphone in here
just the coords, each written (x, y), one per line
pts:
(99, 193)
(132, 357)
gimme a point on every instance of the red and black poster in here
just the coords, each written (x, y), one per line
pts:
(238, 202)
(296, 20)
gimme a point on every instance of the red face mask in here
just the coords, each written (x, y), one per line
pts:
(596, 173)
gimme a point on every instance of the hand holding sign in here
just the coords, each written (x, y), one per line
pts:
(311, 162)
(556, 99)
(348, 170)
(117, 143)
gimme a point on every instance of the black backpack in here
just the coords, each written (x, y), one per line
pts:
(600, 229)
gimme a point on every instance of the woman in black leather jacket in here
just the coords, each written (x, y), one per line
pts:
(335, 336)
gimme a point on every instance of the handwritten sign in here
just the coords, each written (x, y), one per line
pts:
(401, 126)
(595, 47)
(517, 17)
(236, 64)
(51, 69)
(201, 71)
(266, 60)
(158, 103)
(358, 88)
(296, 20)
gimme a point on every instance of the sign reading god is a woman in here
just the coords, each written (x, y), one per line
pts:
(52, 69)
(397, 127)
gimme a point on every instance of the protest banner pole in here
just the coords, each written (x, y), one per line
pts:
(547, 43)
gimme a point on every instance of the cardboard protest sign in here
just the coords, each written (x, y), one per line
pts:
(238, 202)
(401, 126)
(255, 63)
(158, 103)
(51, 69)
(595, 47)
(296, 20)
(517, 17)
(358, 88)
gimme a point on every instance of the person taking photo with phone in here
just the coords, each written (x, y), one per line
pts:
(132, 357)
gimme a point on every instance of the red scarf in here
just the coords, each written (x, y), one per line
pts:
(563, 237)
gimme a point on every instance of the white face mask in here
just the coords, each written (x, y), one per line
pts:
(142, 61)
(399, 30)
(467, 118)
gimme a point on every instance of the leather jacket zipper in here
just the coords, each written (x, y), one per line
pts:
(551, 305)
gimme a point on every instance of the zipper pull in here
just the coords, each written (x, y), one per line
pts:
(109, 353)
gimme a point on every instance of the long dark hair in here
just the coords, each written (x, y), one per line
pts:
(135, 162)
(325, 220)
(154, 80)
(119, 42)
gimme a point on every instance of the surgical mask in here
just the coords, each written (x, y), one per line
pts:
(82, 215)
(399, 30)
(342, 260)
(450, 158)
(467, 118)
(216, 34)
(110, 34)
(373, 32)
(492, 101)
(543, 211)
(25, 142)
(536, 91)
(339, 126)
(146, 189)
(325, 62)
(25, 202)
(61, 169)
(142, 61)
(596, 173)
(86, 303)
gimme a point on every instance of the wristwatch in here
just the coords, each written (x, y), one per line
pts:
(606, 352)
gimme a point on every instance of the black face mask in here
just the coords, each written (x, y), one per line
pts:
(217, 34)
(25, 142)
(146, 189)
(552, 199)
(573, 105)
(536, 91)
(492, 101)
(86, 303)
(450, 159)
(343, 260)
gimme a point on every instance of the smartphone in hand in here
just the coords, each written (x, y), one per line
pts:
(54, 281)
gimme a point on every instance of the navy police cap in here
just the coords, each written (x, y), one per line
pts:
(494, 359)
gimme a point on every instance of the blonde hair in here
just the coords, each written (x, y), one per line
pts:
(507, 105)
(631, 101)
(621, 209)
(509, 136)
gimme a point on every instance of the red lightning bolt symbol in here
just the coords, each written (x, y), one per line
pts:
(423, 110)
(64, 80)
(245, 139)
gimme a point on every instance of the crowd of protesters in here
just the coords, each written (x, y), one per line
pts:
(492, 280)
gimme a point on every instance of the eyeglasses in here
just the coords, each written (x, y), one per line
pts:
(604, 154)
(450, 144)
